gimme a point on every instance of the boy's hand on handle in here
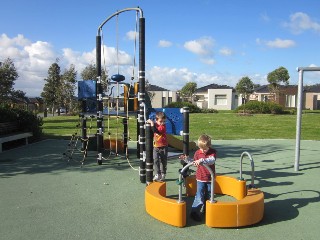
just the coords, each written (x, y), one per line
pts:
(197, 162)
(150, 122)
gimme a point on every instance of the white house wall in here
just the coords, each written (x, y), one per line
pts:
(211, 99)
(156, 101)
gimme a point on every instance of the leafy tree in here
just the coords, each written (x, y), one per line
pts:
(188, 90)
(69, 80)
(276, 77)
(8, 74)
(52, 89)
(245, 87)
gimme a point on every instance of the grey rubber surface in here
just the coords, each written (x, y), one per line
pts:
(43, 196)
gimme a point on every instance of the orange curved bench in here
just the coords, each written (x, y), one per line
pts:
(248, 208)
(164, 209)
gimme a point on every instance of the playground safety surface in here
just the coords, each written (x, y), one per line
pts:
(43, 196)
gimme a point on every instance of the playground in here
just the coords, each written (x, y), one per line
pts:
(98, 192)
(43, 196)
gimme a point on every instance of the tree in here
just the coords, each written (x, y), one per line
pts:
(90, 73)
(8, 74)
(188, 90)
(245, 87)
(52, 89)
(69, 80)
(275, 78)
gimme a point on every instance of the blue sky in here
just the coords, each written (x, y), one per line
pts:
(203, 41)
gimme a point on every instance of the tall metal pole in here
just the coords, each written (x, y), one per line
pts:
(149, 154)
(185, 133)
(298, 123)
(141, 98)
(99, 94)
(299, 113)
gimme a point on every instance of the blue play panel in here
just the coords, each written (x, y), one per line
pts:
(174, 121)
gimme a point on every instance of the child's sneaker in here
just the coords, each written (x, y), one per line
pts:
(156, 177)
(163, 177)
(195, 216)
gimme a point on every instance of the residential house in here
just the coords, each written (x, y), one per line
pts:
(286, 97)
(214, 96)
(160, 97)
(312, 97)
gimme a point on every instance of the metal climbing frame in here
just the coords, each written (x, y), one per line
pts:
(141, 94)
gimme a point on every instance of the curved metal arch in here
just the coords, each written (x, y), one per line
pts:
(117, 13)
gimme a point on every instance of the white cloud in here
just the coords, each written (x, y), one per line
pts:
(175, 79)
(281, 43)
(202, 46)
(277, 43)
(164, 43)
(33, 59)
(132, 35)
(300, 22)
(226, 51)
(265, 17)
(208, 61)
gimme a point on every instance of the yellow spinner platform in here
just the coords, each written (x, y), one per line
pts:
(248, 208)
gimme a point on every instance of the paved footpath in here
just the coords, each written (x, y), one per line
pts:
(43, 196)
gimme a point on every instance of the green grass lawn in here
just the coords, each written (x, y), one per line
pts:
(226, 125)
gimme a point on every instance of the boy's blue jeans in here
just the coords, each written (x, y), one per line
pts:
(203, 194)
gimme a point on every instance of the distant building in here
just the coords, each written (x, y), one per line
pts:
(312, 97)
(286, 97)
(214, 96)
(160, 97)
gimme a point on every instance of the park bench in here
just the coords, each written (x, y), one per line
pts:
(10, 131)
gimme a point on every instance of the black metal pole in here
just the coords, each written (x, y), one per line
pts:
(141, 97)
(185, 131)
(125, 135)
(149, 154)
(99, 102)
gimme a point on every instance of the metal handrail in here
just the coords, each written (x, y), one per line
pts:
(252, 168)
(212, 182)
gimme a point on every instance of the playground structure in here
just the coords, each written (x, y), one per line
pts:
(246, 210)
(249, 205)
(141, 92)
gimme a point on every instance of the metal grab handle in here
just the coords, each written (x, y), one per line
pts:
(212, 182)
(252, 167)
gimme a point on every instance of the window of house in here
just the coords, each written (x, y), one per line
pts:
(220, 100)
(290, 101)
(169, 100)
(163, 101)
(264, 98)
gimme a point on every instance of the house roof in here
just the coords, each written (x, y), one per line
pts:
(156, 88)
(265, 88)
(313, 88)
(212, 86)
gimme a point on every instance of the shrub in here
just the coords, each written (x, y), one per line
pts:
(261, 107)
(209, 111)
(192, 108)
